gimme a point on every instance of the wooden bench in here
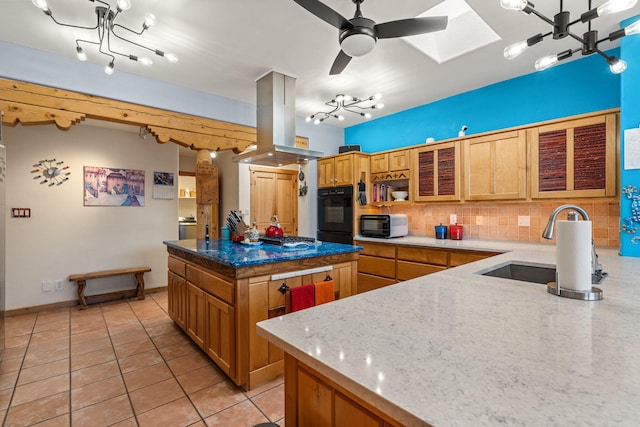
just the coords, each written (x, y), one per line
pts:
(81, 279)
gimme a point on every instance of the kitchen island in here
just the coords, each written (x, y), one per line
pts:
(219, 290)
(460, 348)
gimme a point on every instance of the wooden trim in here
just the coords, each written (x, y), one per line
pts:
(32, 104)
(64, 304)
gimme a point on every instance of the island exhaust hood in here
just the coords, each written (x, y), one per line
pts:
(276, 125)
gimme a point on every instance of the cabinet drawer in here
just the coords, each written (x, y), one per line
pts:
(425, 255)
(409, 270)
(177, 266)
(210, 283)
(367, 282)
(378, 249)
(463, 257)
(379, 266)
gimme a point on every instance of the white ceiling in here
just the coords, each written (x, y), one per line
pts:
(225, 45)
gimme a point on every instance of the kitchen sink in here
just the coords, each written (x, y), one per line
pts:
(523, 273)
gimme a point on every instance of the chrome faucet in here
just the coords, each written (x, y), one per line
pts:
(596, 268)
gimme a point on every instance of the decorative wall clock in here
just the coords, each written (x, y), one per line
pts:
(51, 172)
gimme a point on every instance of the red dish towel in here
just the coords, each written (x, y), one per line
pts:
(302, 297)
(324, 292)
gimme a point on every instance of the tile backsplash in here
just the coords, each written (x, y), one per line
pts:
(499, 221)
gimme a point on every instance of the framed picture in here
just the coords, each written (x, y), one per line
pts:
(113, 187)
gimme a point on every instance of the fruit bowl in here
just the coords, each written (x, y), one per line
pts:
(399, 196)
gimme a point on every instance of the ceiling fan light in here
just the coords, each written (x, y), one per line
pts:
(358, 44)
(514, 4)
(516, 49)
(614, 6)
(546, 62)
(616, 65)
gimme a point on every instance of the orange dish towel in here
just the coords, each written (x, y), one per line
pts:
(302, 297)
(324, 292)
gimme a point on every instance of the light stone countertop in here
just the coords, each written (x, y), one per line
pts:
(456, 348)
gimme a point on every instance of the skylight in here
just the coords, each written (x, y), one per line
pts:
(465, 32)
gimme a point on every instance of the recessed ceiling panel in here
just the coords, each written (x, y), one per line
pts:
(466, 32)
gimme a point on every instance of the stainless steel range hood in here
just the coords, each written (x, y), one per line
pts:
(276, 125)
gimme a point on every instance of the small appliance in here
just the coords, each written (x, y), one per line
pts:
(385, 226)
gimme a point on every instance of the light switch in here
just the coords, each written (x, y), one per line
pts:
(524, 220)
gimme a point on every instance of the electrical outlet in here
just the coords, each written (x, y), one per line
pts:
(478, 220)
(47, 286)
(524, 220)
(59, 285)
(453, 219)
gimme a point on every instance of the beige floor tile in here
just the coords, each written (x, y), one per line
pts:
(10, 365)
(51, 324)
(177, 413)
(135, 347)
(60, 421)
(90, 359)
(90, 345)
(40, 357)
(38, 410)
(170, 338)
(19, 325)
(271, 402)
(39, 389)
(139, 360)
(124, 328)
(8, 380)
(201, 378)
(162, 328)
(174, 351)
(48, 335)
(244, 414)
(158, 321)
(5, 398)
(184, 364)
(214, 399)
(127, 337)
(48, 343)
(89, 335)
(40, 372)
(146, 376)
(14, 353)
(105, 413)
(81, 326)
(264, 387)
(19, 341)
(155, 395)
(93, 393)
(94, 373)
(129, 422)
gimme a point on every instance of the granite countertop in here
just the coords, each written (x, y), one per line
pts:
(460, 348)
(240, 255)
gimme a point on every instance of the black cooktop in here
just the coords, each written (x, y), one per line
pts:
(282, 240)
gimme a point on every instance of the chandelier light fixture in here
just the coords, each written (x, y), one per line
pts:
(107, 27)
(347, 103)
(561, 24)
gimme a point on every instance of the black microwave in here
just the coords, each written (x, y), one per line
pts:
(384, 226)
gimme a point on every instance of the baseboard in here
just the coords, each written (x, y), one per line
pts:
(113, 296)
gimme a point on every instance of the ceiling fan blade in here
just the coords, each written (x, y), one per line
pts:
(325, 13)
(342, 60)
(411, 26)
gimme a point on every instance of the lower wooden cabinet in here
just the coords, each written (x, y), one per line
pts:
(313, 400)
(177, 304)
(196, 314)
(383, 264)
(220, 336)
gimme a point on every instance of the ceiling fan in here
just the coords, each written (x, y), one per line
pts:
(359, 35)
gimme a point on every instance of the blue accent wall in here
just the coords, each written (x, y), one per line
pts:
(576, 87)
(630, 118)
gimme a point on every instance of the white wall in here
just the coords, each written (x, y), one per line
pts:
(62, 236)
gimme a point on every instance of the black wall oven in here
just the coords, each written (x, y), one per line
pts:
(335, 214)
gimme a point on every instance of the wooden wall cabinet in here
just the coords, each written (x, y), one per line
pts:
(495, 166)
(436, 172)
(575, 158)
(336, 171)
